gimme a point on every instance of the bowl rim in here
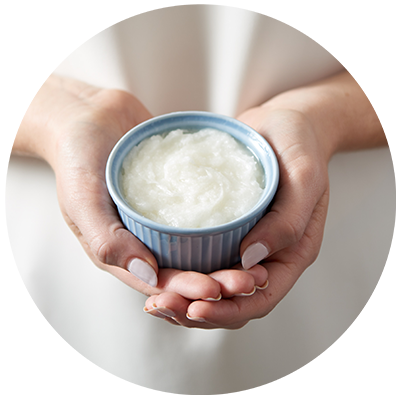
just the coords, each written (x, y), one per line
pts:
(265, 199)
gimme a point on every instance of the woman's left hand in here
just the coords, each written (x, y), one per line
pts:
(283, 244)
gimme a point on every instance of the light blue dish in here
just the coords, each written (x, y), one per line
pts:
(206, 249)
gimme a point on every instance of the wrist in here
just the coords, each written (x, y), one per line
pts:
(341, 115)
(311, 109)
(24, 123)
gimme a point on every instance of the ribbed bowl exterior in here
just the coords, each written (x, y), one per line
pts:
(206, 249)
(201, 253)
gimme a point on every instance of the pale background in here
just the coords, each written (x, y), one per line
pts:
(72, 329)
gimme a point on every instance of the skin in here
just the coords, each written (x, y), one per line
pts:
(73, 126)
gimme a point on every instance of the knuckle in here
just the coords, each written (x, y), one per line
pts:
(308, 173)
(103, 250)
(313, 247)
(108, 247)
(313, 256)
(294, 228)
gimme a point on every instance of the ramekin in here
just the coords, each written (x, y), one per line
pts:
(204, 249)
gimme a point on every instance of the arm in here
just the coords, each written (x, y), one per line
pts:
(339, 111)
(73, 126)
(359, 106)
(306, 127)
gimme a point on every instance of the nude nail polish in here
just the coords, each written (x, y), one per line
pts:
(196, 319)
(253, 255)
(143, 271)
(161, 312)
(266, 284)
(214, 299)
(164, 311)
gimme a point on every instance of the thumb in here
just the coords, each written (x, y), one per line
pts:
(117, 246)
(108, 243)
(286, 222)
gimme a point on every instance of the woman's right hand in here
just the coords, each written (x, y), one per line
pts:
(74, 126)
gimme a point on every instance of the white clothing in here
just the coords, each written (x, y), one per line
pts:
(222, 60)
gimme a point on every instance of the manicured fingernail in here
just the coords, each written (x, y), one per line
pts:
(143, 271)
(154, 313)
(196, 319)
(160, 312)
(266, 284)
(214, 299)
(164, 311)
(247, 294)
(254, 254)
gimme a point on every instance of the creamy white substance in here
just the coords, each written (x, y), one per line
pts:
(192, 180)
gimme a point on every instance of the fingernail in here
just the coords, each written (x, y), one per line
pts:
(266, 284)
(247, 294)
(196, 319)
(254, 254)
(143, 271)
(214, 299)
(154, 313)
(161, 312)
(164, 311)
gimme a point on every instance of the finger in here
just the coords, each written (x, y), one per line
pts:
(260, 275)
(93, 217)
(174, 303)
(234, 282)
(166, 305)
(173, 308)
(282, 275)
(227, 313)
(112, 245)
(238, 282)
(237, 311)
(303, 180)
(200, 314)
(286, 222)
(189, 284)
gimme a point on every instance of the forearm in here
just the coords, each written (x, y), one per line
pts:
(24, 120)
(339, 111)
(47, 115)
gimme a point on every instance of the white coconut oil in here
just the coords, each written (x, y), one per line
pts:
(192, 179)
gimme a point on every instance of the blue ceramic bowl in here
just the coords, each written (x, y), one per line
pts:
(203, 249)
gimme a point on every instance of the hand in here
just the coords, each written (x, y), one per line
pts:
(74, 126)
(288, 238)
